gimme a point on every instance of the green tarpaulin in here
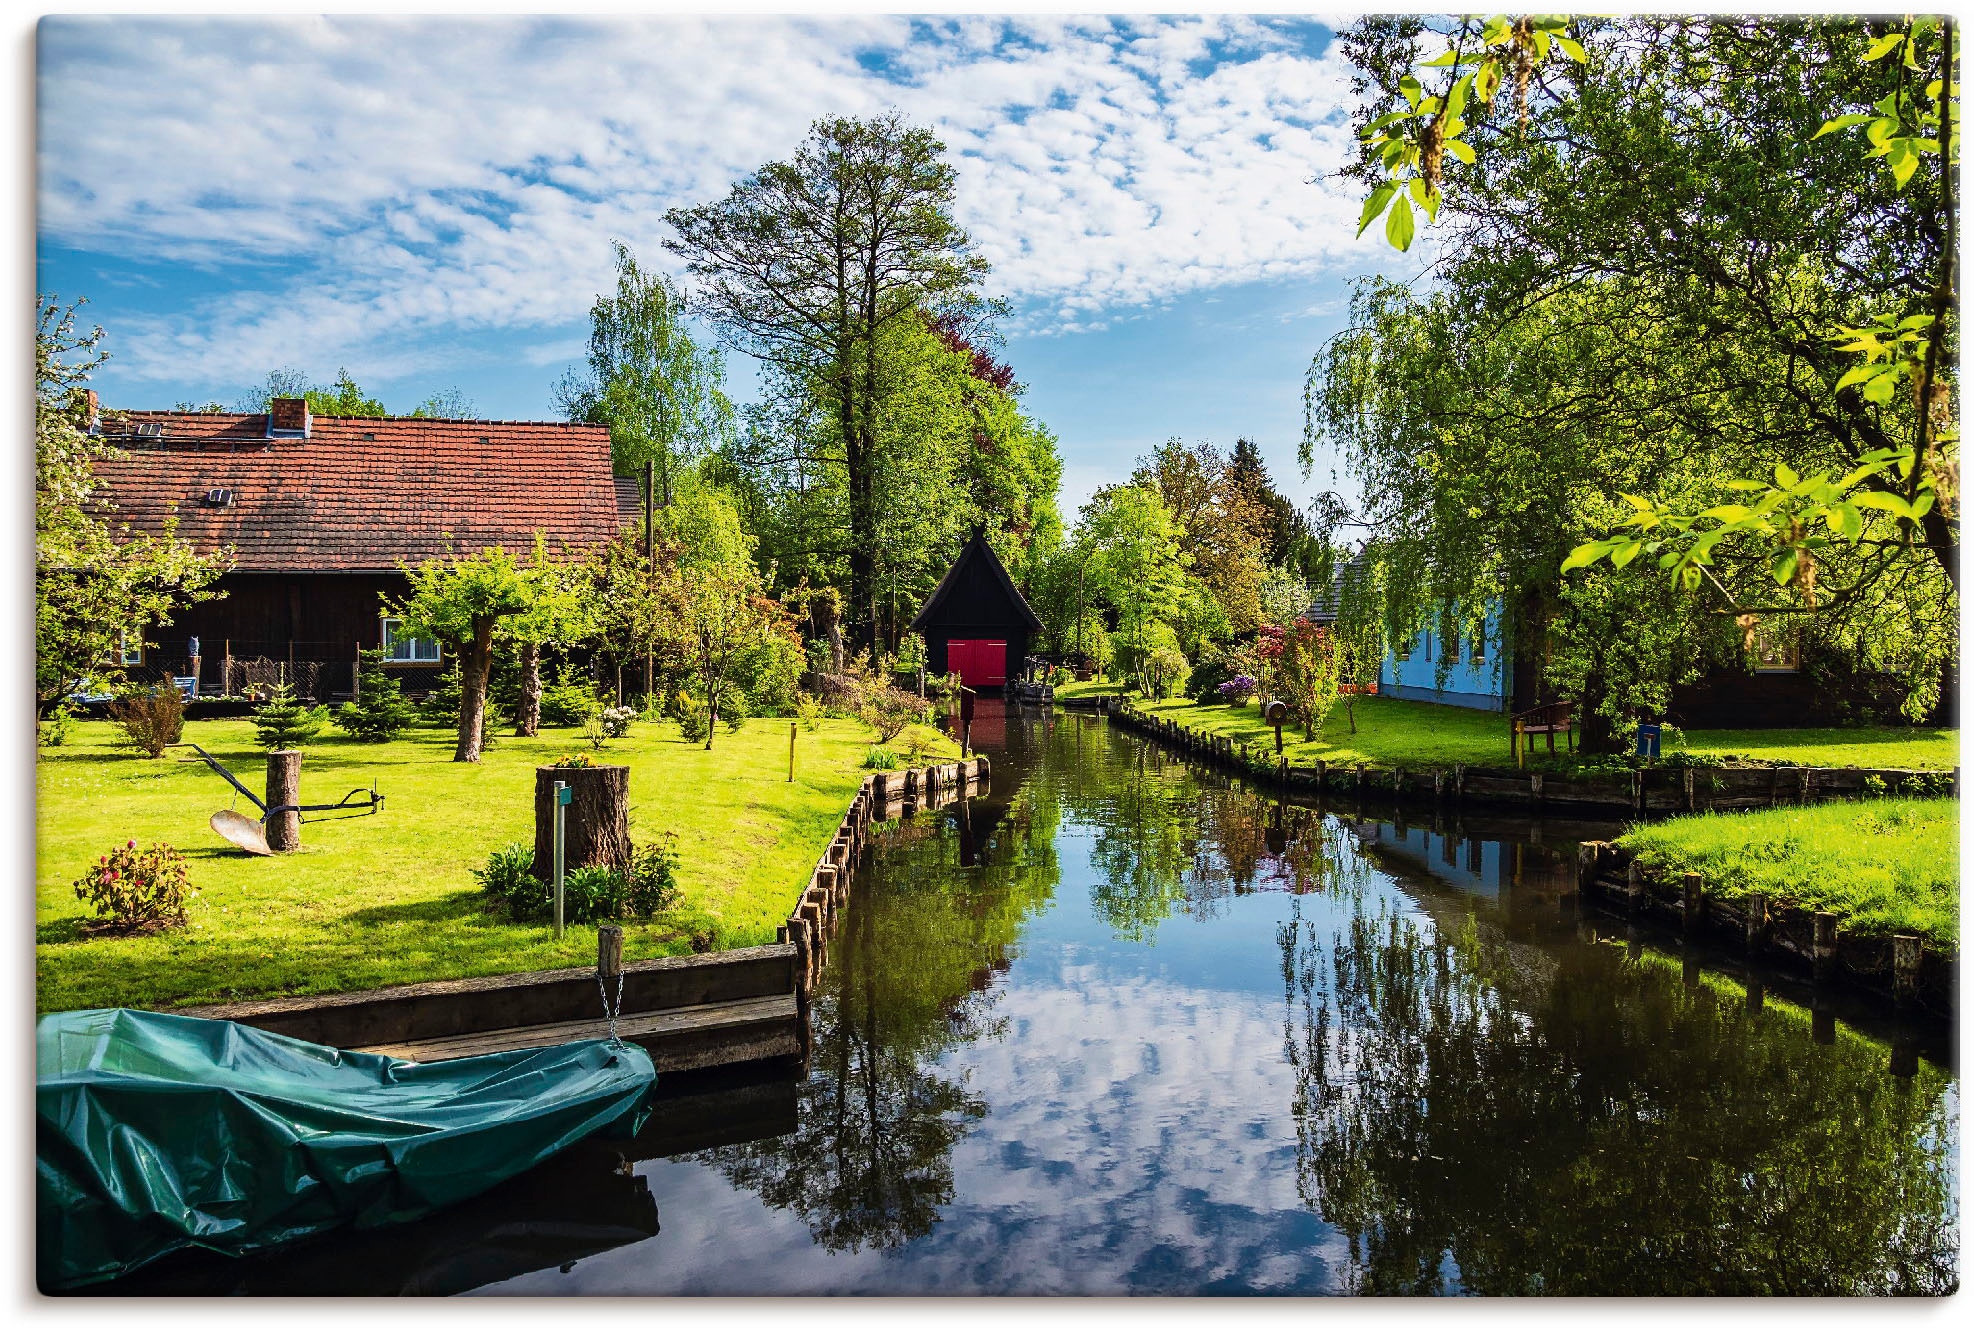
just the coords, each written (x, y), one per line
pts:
(155, 1132)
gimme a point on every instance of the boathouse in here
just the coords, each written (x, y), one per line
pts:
(977, 624)
(321, 514)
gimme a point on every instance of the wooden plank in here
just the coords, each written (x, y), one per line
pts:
(725, 1017)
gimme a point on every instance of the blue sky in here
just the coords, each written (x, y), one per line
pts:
(430, 202)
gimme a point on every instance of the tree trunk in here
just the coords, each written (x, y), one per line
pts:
(473, 691)
(284, 789)
(596, 828)
(528, 722)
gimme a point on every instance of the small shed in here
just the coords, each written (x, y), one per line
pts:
(977, 624)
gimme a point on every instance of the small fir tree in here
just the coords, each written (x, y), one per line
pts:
(283, 723)
(380, 711)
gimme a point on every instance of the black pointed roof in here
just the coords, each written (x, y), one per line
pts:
(978, 551)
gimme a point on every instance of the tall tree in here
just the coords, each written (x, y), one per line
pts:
(462, 601)
(807, 263)
(660, 392)
(1226, 523)
(96, 587)
(341, 398)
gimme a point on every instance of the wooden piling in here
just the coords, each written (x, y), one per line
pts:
(1905, 971)
(284, 789)
(1634, 887)
(1823, 947)
(1757, 914)
(609, 952)
(1692, 902)
(1588, 853)
(1535, 790)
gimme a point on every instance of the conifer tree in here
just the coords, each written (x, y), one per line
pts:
(380, 711)
(283, 723)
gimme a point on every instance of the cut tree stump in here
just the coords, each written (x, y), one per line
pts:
(596, 828)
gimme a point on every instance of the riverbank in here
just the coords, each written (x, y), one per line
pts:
(1882, 866)
(1418, 734)
(388, 899)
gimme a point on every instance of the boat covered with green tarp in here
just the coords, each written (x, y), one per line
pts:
(159, 1132)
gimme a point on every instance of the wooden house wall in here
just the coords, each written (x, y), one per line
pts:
(976, 608)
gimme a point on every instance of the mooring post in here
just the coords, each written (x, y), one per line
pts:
(1322, 774)
(791, 751)
(561, 790)
(1686, 787)
(1754, 983)
(1823, 947)
(609, 952)
(1634, 887)
(1586, 863)
(284, 789)
(1692, 902)
(1905, 971)
(1535, 789)
(1757, 907)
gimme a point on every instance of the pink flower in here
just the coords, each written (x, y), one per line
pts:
(130, 843)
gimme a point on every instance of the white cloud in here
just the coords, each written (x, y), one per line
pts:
(368, 191)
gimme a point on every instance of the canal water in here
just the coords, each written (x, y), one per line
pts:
(1126, 1025)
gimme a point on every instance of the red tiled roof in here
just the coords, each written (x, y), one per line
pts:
(361, 494)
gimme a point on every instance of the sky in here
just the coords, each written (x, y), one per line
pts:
(429, 203)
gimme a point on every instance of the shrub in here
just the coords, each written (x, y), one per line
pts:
(880, 758)
(888, 710)
(810, 711)
(58, 728)
(653, 885)
(508, 881)
(617, 720)
(1203, 685)
(590, 894)
(137, 889)
(440, 706)
(567, 703)
(152, 717)
(283, 723)
(693, 722)
(734, 709)
(1236, 690)
(380, 712)
(920, 743)
(594, 730)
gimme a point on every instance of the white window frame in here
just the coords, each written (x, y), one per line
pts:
(126, 657)
(388, 625)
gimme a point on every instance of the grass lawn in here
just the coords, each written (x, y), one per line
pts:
(385, 899)
(1420, 733)
(1883, 865)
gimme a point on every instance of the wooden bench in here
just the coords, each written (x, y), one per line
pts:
(1549, 719)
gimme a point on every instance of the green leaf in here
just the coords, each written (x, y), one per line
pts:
(1398, 224)
(1572, 49)
(1884, 46)
(1783, 569)
(1903, 161)
(1460, 150)
(1621, 557)
(1921, 506)
(1726, 513)
(1585, 554)
(1689, 577)
(1862, 373)
(1785, 478)
(1880, 389)
(1853, 525)
(1843, 122)
(1456, 100)
(1446, 61)
(1642, 504)
(1882, 502)
(1375, 204)
(1411, 89)
(1746, 484)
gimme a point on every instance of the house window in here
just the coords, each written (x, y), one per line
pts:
(1452, 641)
(403, 647)
(1404, 651)
(130, 649)
(1479, 655)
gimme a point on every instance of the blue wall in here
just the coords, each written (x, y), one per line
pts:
(1476, 686)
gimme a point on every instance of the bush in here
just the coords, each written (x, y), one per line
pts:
(1203, 686)
(880, 758)
(152, 717)
(440, 706)
(380, 712)
(283, 723)
(920, 743)
(734, 709)
(888, 710)
(617, 720)
(589, 894)
(810, 711)
(137, 889)
(567, 703)
(1237, 689)
(58, 728)
(693, 722)
(772, 674)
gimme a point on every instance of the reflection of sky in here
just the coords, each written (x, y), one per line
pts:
(1138, 1137)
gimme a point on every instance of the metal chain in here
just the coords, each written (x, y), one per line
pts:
(610, 1008)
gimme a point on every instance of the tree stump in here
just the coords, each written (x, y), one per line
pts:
(284, 789)
(596, 829)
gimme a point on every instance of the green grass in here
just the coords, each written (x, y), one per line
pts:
(385, 899)
(1421, 733)
(1883, 865)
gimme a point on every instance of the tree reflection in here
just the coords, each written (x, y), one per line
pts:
(1582, 1123)
(870, 1163)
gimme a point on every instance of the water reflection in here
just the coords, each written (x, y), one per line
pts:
(1127, 1026)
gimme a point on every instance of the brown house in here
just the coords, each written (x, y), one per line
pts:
(320, 513)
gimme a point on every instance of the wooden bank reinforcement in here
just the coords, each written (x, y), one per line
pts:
(689, 1011)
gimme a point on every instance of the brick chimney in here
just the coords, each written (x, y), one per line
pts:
(95, 408)
(287, 417)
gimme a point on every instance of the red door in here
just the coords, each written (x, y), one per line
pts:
(979, 663)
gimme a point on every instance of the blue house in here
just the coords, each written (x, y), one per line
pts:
(1478, 675)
